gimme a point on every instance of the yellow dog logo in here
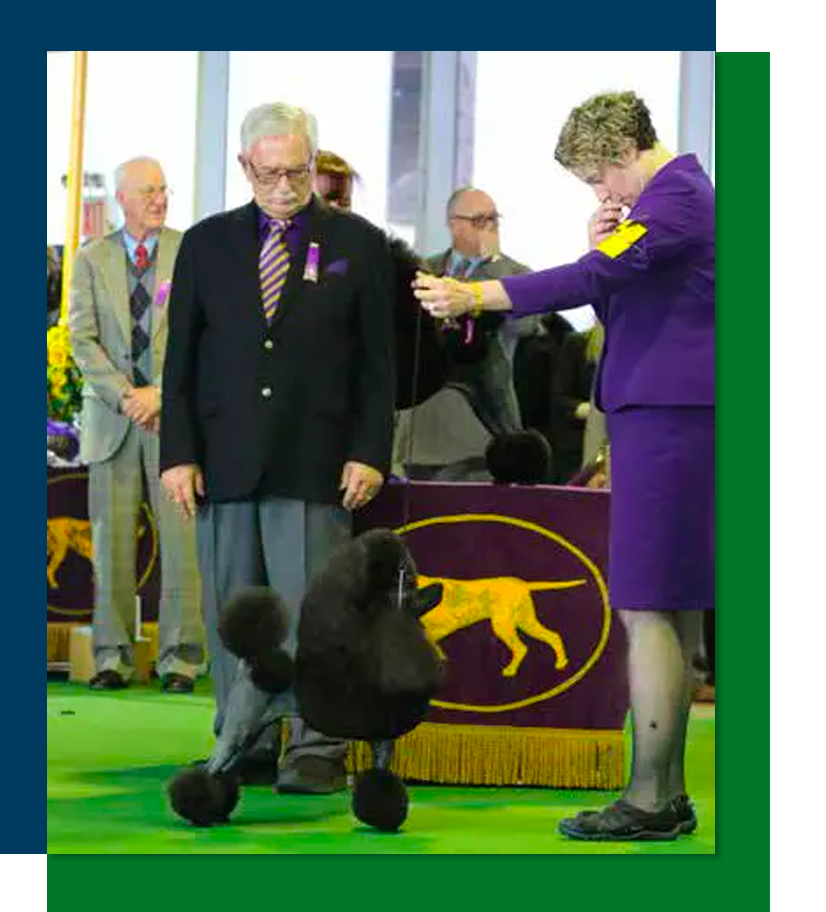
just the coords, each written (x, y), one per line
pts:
(506, 602)
(65, 534)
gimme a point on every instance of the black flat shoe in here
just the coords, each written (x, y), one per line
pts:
(177, 683)
(622, 822)
(686, 815)
(108, 680)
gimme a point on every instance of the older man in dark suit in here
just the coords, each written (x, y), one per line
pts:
(278, 395)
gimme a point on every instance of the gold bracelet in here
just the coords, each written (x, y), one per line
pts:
(475, 290)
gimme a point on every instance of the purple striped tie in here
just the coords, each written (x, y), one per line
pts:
(273, 266)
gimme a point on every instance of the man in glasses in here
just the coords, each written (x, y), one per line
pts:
(118, 330)
(452, 429)
(278, 400)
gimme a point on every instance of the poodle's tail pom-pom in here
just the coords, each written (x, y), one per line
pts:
(202, 798)
(272, 672)
(253, 622)
(380, 800)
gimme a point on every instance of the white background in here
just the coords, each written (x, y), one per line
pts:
(137, 103)
(522, 100)
(349, 92)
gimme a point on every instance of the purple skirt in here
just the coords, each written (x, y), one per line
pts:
(662, 509)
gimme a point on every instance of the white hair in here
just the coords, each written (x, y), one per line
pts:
(278, 119)
(120, 171)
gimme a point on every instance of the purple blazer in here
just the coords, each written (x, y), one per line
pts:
(652, 286)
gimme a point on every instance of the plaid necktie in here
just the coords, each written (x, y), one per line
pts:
(273, 266)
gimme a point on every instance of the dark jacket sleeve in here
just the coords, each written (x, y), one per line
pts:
(371, 437)
(572, 382)
(179, 442)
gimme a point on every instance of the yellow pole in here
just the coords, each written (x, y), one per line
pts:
(74, 179)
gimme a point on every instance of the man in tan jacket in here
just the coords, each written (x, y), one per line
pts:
(118, 331)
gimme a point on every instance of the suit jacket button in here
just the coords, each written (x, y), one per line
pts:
(266, 392)
(268, 344)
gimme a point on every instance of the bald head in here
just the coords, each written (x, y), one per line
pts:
(473, 222)
(141, 191)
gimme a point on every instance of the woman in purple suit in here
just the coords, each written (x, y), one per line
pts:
(650, 277)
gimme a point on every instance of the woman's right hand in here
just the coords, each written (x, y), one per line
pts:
(603, 222)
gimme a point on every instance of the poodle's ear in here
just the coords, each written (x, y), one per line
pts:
(426, 599)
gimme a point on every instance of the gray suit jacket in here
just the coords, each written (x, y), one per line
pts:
(100, 329)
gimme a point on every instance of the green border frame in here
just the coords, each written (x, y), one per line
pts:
(740, 865)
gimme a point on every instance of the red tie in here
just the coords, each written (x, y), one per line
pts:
(141, 258)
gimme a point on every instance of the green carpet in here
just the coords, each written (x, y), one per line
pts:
(110, 755)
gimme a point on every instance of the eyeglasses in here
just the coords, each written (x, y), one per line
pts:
(273, 177)
(148, 193)
(481, 220)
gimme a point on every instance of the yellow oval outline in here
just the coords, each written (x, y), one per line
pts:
(150, 564)
(554, 536)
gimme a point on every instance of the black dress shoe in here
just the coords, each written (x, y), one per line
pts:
(312, 776)
(177, 683)
(622, 822)
(258, 768)
(108, 680)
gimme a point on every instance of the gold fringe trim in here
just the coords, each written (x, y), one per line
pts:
(58, 635)
(505, 755)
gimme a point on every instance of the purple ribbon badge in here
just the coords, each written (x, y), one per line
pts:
(311, 266)
(162, 293)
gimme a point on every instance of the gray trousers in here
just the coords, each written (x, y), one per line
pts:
(115, 489)
(276, 542)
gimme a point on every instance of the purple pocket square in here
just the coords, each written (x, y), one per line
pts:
(337, 267)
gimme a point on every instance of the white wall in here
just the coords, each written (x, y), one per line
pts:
(121, 122)
(522, 100)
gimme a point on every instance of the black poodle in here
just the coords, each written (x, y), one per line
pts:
(364, 670)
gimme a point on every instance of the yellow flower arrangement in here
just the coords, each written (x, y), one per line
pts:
(63, 379)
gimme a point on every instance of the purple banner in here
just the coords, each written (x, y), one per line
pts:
(69, 576)
(524, 620)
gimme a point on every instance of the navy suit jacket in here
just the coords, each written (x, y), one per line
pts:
(279, 408)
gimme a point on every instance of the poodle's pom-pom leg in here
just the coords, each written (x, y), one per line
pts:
(202, 798)
(380, 800)
(230, 793)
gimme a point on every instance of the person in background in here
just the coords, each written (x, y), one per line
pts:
(445, 438)
(650, 276)
(53, 287)
(278, 392)
(534, 368)
(334, 179)
(118, 332)
(571, 401)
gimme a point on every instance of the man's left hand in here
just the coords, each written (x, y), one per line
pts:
(142, 405)
(360, 484)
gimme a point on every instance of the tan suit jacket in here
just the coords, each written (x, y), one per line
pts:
(100, 329)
